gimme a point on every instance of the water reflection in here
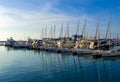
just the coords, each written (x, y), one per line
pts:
(51, 66)
(11, 48)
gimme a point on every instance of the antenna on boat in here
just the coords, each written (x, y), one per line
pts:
(77, 31)
(83, 30)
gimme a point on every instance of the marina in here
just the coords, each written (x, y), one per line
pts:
(76, 44)
(74, 51)
(59, 41)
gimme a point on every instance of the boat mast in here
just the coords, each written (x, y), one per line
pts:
(108, 33)
(77, 31)
(61, 32)
(117, 39)
(83, 30)
(46, 32)
(97, 34)
(67, 30)
(42, 33)
(51, 33)
(54, 31)
(108, 30)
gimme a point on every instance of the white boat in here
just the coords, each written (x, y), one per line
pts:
(65, 50)
(41, 48)
(59, 50)
(21, 44)
(109, 53)
(97, 53)
(50, 49)
(10, 42)
(115, 51)
(82, 51)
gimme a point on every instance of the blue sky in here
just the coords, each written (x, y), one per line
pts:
(23, 18)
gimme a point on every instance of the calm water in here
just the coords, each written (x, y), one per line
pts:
(40, 66)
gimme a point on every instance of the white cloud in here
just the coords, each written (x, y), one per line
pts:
(15, 22)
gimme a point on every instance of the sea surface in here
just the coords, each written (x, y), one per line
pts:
(21, 65)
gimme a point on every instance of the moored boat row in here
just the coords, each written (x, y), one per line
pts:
(40, 45)
(76, 44)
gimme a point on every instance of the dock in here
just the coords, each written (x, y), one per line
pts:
(101, 53)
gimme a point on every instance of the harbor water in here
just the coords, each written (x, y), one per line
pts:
(21, 65)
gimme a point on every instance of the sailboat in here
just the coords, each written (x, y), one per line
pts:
(60, 42)
(109, 52)
(67, 41)
(81, 45)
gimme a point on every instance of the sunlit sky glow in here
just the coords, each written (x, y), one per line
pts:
(25, 18)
